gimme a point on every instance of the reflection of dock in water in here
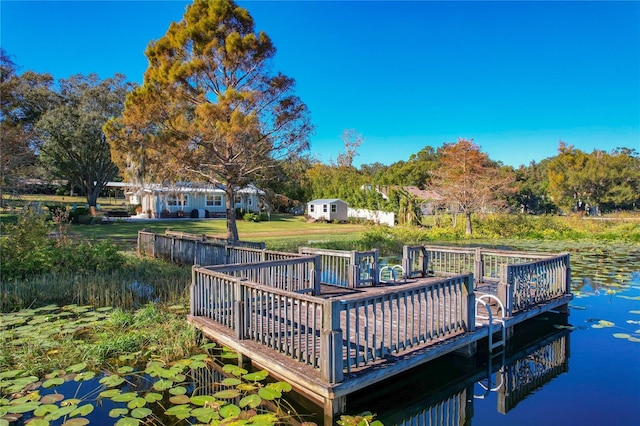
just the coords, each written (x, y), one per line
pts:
(452, 389)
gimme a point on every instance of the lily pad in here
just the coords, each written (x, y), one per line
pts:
(202, 400)
(251, 401)
(117, 412)
(621, 335)
(179, 411)
(141, 413)
(256, 376)
(229, 411)
(76, 422)
(179, 399)
(227, 394)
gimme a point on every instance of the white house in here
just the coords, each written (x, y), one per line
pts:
(190, 199)
(328, 209)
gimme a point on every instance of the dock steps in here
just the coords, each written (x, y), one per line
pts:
(485, 302)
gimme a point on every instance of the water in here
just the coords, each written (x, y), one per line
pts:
(595, 380)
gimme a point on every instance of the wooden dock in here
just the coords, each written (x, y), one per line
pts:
(332, 323)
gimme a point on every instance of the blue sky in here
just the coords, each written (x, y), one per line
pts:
(517, 77)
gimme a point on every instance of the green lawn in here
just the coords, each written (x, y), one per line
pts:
(278, 228)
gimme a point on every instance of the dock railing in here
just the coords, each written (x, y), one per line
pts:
(525, 285)
(335, 336)
(523, 279)
(374, 327)
(343, 268)
(195, 249)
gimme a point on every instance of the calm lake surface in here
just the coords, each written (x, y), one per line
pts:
(585, 373)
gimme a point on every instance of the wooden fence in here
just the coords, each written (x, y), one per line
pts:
(192, 249)
(342, 268)
(335, 335)
(523, 279)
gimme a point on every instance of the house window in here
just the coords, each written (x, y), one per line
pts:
(324, 208)
(238, 199)
(249, 201)
(334, 208)
(180, 201)
(311, 208)
(214, 200)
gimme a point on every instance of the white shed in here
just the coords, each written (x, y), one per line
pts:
(328, 209)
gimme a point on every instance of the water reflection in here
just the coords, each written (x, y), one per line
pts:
(446, 391)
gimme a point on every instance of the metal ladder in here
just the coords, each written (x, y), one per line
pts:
(484, 299)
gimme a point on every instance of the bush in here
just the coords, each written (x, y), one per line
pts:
(251, 217)
(27, 250)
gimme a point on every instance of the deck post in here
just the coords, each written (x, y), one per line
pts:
(505, 289)
(478, 265)
(192, 297)
(374, 267)
(567, 287)
(354, 276)
(406, 260)
(469, 302)
(239, 308)
(331, 362)
(317, 275)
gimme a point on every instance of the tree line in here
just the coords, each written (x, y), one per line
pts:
(211, 108)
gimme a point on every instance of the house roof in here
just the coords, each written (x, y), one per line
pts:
(187, 187)
(422, 194)
(326, 201)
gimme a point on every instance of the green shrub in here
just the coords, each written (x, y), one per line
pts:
(251, 217)
(28, 249)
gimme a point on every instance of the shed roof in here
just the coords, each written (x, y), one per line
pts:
(326, 201)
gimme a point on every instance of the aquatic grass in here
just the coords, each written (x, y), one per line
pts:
(133, 285)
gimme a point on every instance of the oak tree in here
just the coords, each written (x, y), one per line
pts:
(24, 98)
(210, 107)
(73, 145)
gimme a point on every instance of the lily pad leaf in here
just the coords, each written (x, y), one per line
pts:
(56, 381)
(178, 390)
(179, 411)
(179, 399)
(32, 422)
(111, 381)
(152, 397)
(621, 335)
(141, 412)
(229, 411)
(269, 393)
(227, 394)
(202, 400)
(163, 385)
(251, 401)
(82, 410)
(125, 397)
(85, 375)
(76, 368)
(24, 407)
(137, 403)
(256, 376)
(117, 412)
(231, 381)
(128, 421)
(205, 414)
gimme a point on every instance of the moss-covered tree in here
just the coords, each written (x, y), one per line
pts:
(210, 107)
